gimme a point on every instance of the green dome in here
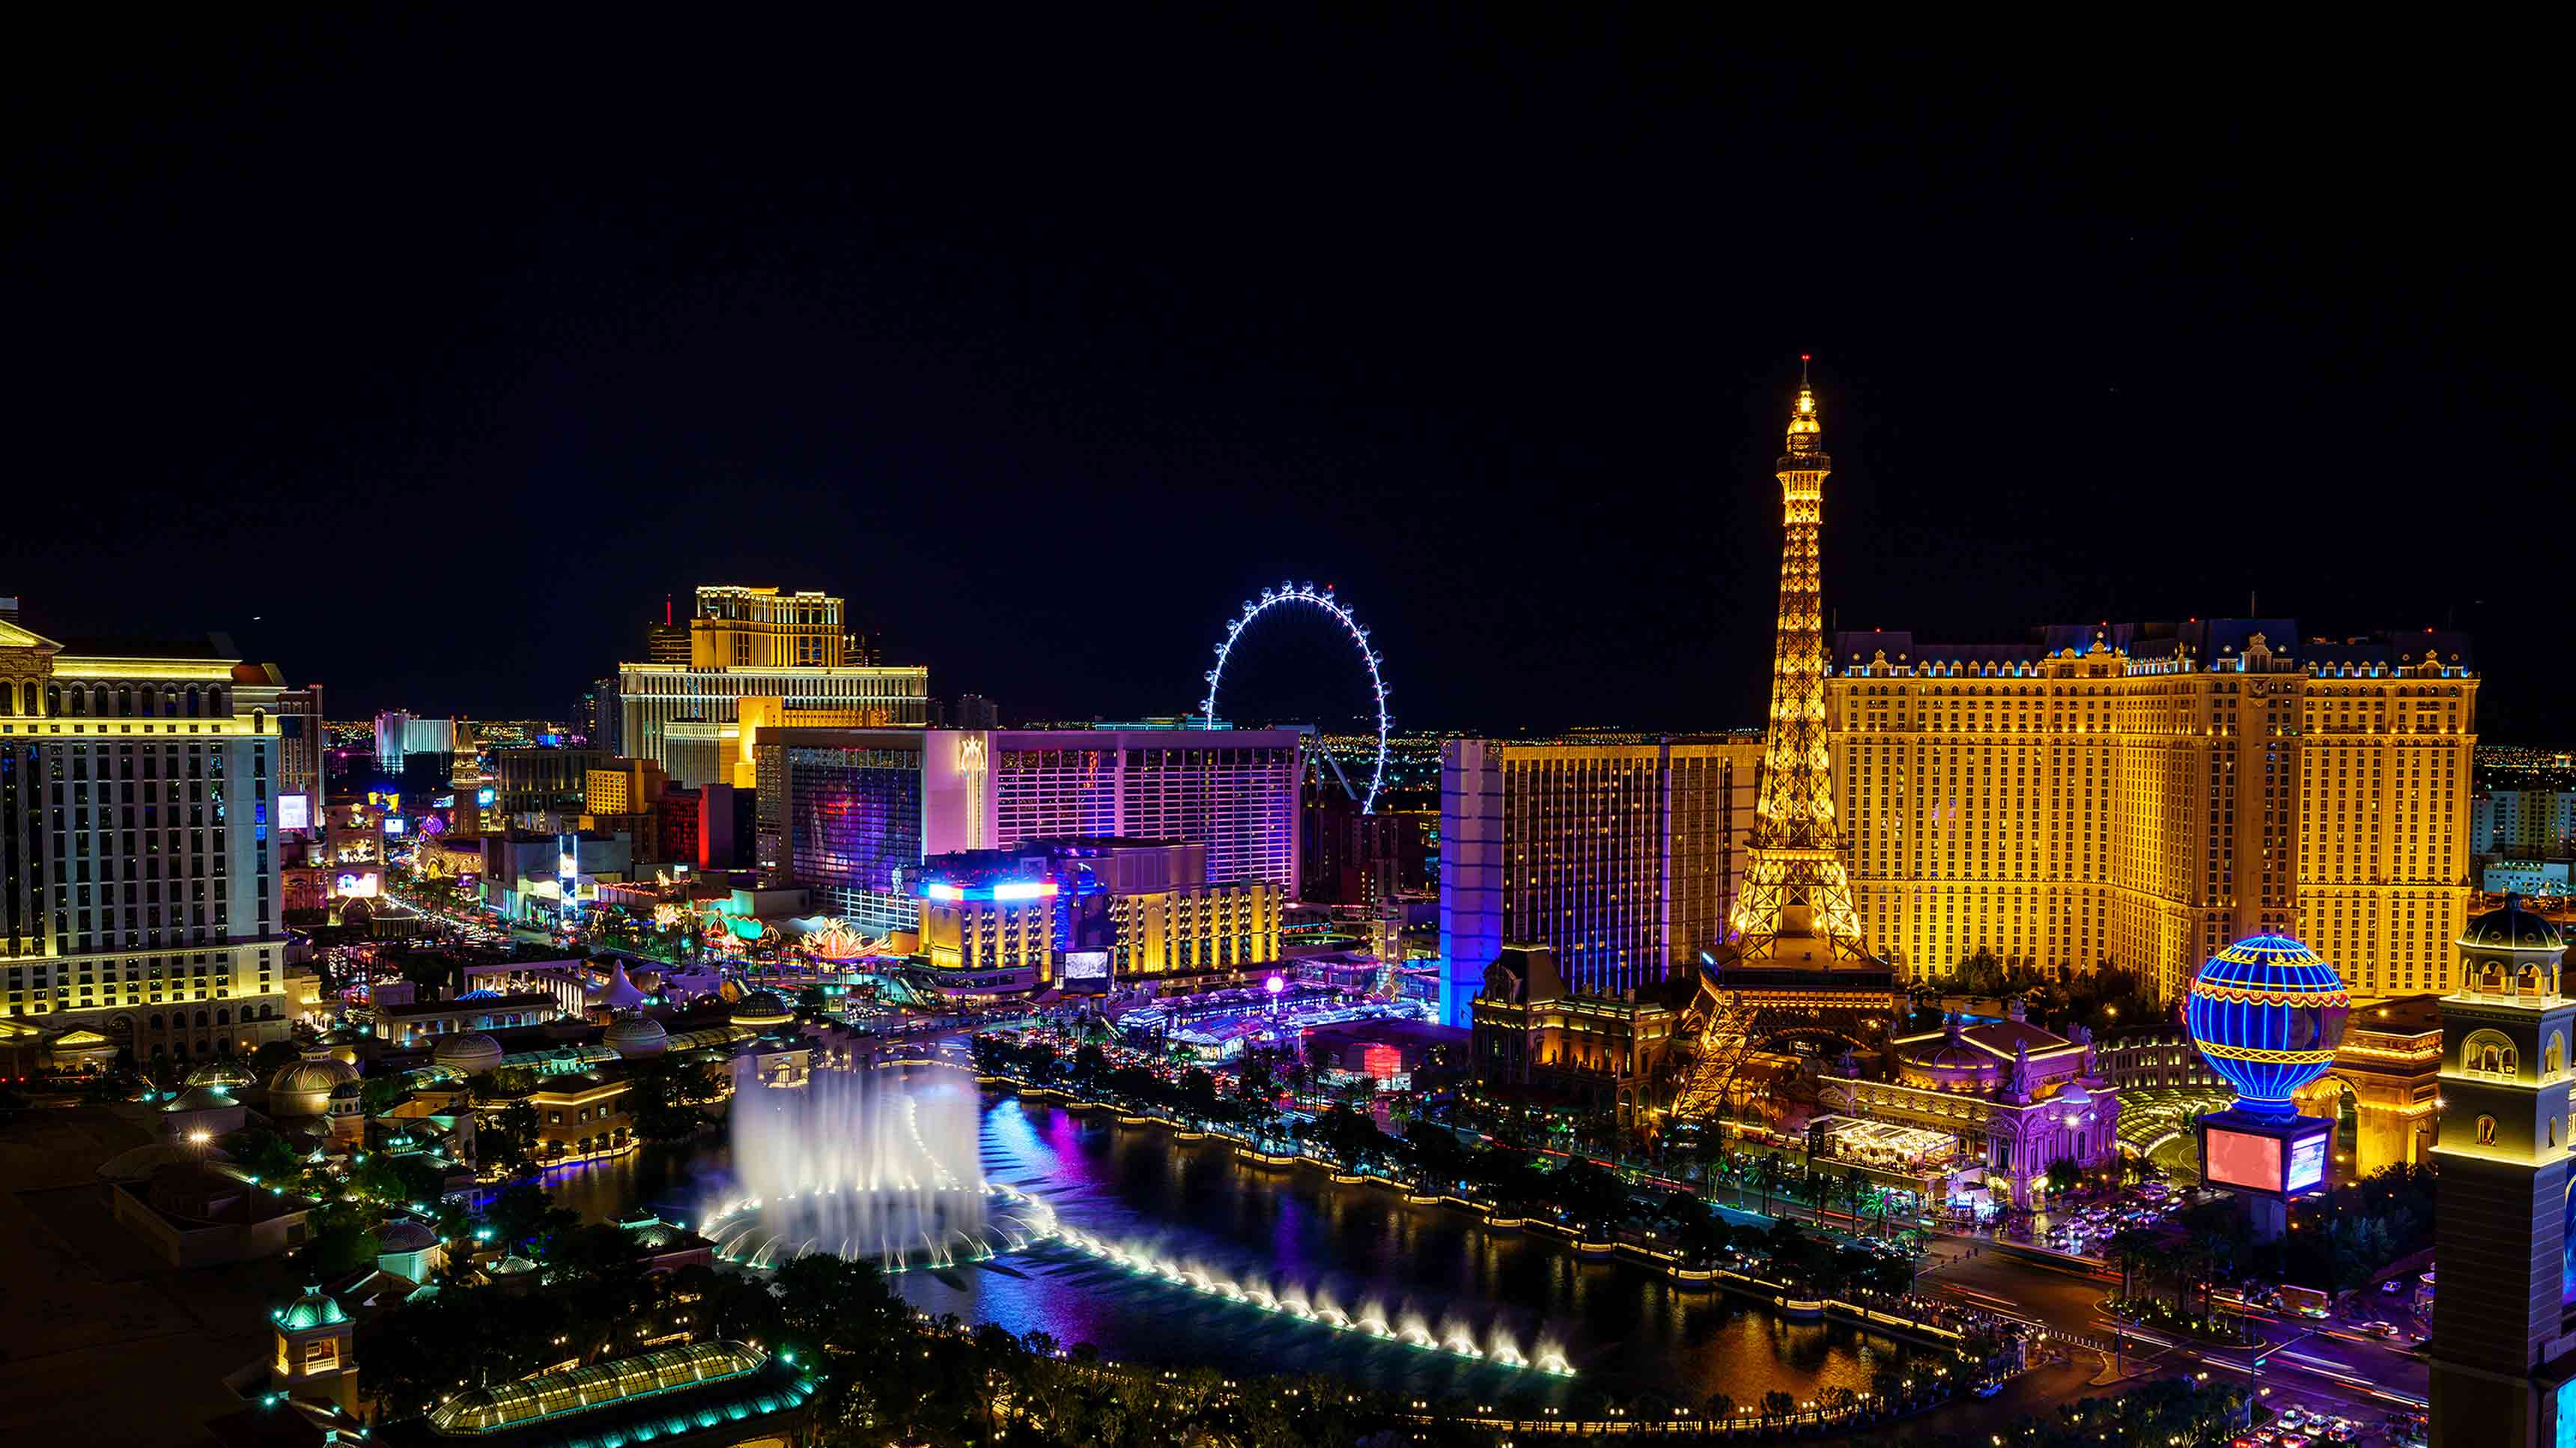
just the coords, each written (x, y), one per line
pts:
(314, 1309)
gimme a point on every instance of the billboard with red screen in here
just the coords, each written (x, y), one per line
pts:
(2243, 1159)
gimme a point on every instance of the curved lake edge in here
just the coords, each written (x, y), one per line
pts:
(1774, 1296)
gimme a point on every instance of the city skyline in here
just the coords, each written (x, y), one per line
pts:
(2143, 379)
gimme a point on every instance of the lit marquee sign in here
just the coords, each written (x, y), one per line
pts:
(295, 811)
(356, 885)
(1004, 891)
(485, 796)
(395, 825)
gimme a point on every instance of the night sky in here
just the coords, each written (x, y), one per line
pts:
(426, 358)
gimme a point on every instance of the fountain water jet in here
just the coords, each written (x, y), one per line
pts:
(846, 1167)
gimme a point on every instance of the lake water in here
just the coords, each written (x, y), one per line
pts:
(1624, 1328)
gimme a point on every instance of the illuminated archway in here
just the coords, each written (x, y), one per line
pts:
(1321, 598)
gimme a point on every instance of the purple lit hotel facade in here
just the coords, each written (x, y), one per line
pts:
(852, 814)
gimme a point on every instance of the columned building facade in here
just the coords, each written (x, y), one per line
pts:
(2138, 795)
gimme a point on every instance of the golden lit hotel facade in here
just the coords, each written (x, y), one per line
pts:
(2138, 795)
(140, 904)
(757, 658)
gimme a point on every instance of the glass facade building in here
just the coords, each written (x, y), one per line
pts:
(855, 831)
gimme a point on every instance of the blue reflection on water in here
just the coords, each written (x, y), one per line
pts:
(1293, 1231)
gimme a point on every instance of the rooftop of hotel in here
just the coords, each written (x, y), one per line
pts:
(2405, 1016)
(206, 647)
(498, 1002)
(2214, 643)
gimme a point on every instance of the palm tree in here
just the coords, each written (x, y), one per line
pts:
(2131, 1249)
(1771, 1173)
(2215, 1255)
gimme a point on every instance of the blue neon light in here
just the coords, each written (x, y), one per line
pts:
(2267, 1014)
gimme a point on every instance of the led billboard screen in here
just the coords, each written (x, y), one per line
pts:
(2243, 1159)
(295, 811)
(2307, 1164)
(361, 884)
(1086, 972)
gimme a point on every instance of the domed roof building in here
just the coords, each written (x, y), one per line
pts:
(345, 1042)
(316, 1308)
(633, 1034)
(468, 1054)
(303, 1088)
(224, 1075)
(140, 1163)
(1981, 1057)
(2510, 928)
(1987, 1104)
(402, 1234)
(200, 1114)
(759, 1010)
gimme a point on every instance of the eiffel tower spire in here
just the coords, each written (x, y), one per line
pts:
(1795, 901)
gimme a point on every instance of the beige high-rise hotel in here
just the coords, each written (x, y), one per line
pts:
(2138, 795)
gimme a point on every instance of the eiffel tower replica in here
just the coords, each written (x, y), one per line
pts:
(1794, 968)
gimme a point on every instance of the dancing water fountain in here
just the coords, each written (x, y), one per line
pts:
(846, 1167)
(1366, 1320)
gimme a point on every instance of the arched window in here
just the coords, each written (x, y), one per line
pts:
(201, 1018)
(53, 698)
(156, 1024)
(125, 698)
(2554, 1060)
(2490, 1054)
(224, 1017)
(215, 703)
(98, 699)
(196, 702)
(79, 700)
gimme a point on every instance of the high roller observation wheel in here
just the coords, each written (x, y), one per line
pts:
(1321, 598)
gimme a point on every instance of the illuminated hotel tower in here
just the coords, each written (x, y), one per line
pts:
(1794, 896)
(2503, 1355)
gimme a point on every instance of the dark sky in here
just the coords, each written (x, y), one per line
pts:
(426, 356)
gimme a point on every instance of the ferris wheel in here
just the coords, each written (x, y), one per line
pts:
(1309, 596)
